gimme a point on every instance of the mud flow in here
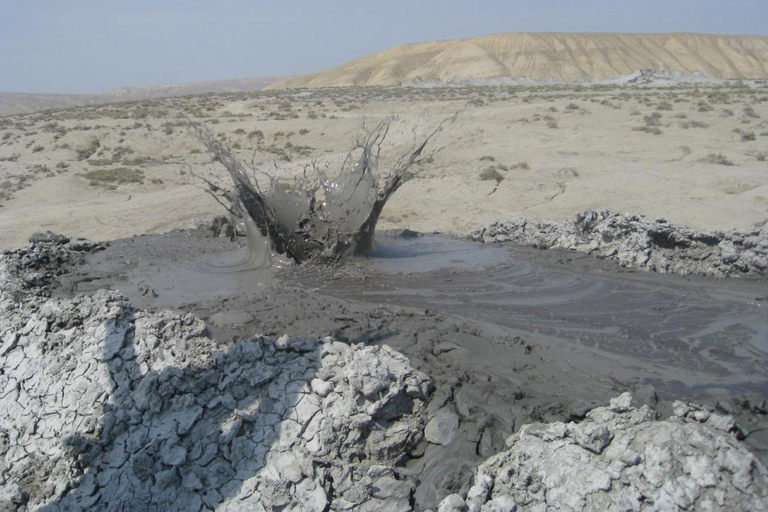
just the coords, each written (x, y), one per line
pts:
(509, 335)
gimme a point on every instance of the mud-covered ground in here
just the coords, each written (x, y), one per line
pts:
(508, 335)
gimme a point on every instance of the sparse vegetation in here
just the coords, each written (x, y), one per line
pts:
(750, 112)
(717, 158)
(491, 174)
(88, 150)
(694, 124)
(113, 177)
(748, 136)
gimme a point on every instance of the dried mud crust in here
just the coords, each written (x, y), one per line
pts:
(619, 458)
(636, 241)
(107, 407)
(159, 388)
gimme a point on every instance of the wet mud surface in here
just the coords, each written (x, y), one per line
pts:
(508, 335)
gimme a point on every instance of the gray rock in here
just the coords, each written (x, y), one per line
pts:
(635, 241)
(48, 237)
(687, 462)
(452, 503)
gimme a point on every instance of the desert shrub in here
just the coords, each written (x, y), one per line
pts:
(748, 136)
(694, 124)
(491, 174)
(303, 131)
(88, 150)
(11, 158)
(552, 124)
(7, 135)
(750, 112)
(117, 176)
(37, 148)
(761, 156)
(120, 151)
(239, 131)
(653, 119)
(655, 130)
(487, 158)
(703, 106)
(39, 169)
(280, 152)
(521, 165)
(717, 158)
(726, 112)
(664, 105)
(99, 162)
(139, 160)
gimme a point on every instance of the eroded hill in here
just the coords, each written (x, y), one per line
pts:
(551, 55)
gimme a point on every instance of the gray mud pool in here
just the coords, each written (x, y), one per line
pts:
(511, 335)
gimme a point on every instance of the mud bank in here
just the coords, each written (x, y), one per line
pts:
(333, 415)
(110, 408)
(635, 241)
(619, 458)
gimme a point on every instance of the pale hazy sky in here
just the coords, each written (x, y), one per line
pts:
(91, 46)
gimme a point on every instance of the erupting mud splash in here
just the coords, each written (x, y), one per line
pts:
(322, 219)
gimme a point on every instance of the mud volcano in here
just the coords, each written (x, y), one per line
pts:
(185, 372)
(317, 218)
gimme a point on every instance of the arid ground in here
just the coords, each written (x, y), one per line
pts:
(695, 154)
(502, 338)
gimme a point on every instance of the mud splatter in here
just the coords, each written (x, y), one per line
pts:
(319, 218)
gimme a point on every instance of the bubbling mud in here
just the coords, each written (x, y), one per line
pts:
(319, 219)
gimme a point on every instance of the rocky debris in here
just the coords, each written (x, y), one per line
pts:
(46, 256)
(620, 458)
(106, 407)
(635, 241)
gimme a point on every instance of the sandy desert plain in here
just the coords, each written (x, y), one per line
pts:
(413, 386)
(695, 154)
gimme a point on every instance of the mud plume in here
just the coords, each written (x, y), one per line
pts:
(318, 219)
